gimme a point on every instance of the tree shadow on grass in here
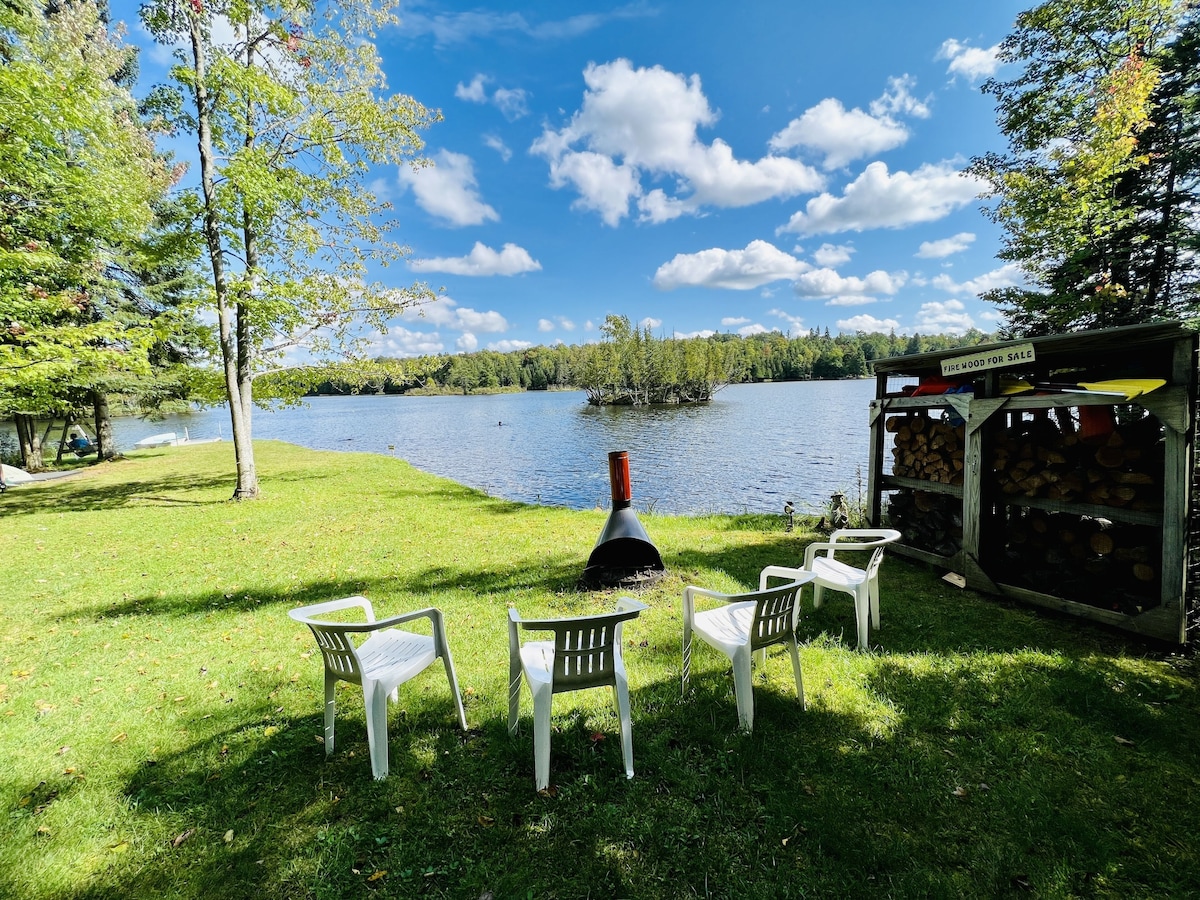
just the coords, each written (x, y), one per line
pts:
(170, 490)
(409, 590)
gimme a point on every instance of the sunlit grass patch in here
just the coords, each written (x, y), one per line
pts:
(162, 715)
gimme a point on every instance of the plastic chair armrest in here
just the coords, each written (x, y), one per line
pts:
(785, 573)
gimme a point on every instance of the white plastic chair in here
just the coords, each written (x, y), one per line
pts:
(585, 653)
(743, 624)
(380, 664)
(832, 573)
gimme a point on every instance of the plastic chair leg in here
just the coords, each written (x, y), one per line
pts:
(621, 689)
(514, 696)
(799, 677)
(377, 737)
(458, 704)
(862, 613)
(687, 654)
(541, 738)
(818, 594)
(330, 709)
(743, 688)
(874, 594)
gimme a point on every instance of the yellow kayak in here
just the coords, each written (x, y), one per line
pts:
(1126, 387)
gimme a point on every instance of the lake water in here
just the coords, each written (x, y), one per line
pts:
(753, 448)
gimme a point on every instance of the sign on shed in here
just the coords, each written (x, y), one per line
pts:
(1016, 355)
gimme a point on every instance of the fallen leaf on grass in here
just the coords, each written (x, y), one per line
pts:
(119, 848)
(960, 792)
(120, 737)
(377, 875)
(229, 836)
(1124, 742)
(485, 821)
(183, 836)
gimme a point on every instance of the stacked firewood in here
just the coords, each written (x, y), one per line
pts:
(1085, 558)
(1121, 467)
(926, 448)
(928, 521)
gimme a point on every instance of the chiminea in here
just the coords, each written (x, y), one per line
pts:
(623, 555)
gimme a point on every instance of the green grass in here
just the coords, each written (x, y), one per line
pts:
(160, 713)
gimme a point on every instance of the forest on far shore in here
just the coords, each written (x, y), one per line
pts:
(632, 357)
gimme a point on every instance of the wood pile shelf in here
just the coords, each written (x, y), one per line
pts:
(1033, 488)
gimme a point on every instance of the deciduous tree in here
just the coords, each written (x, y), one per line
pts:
(289, 115)
(1097, 191)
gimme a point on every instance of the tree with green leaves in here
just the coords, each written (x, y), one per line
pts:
(1098, 188)
(80, 178)
(289, 116)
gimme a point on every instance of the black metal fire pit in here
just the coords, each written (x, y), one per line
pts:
(624, 556)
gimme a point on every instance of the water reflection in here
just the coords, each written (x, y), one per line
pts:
(751, 449)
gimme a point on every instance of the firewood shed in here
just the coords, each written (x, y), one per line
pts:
(1056, 470)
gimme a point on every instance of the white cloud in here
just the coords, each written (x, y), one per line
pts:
(748, 330)
(943, 318)
(558, 322)
(852, 300)
(642, 123)
(482, 260)
(467, 343)
(448, 190)
(730, 321)
(830, 255)
(684, 335)
(796, 323)
(508, 346)
(402, 342)
(650, 323)
(971, 62)
(545, 325)
(446, 313)
(898, 99)
(879, 199)
(867, 324)
(1008, 275)
(450, 28)
(843, 135)
(946, 246)
(513, 103)
(741, 270)
(473, 92)
(828, 283)
(498, 145)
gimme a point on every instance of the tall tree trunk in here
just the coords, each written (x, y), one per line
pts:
(243, 447)
(30, 442)
(105, 448)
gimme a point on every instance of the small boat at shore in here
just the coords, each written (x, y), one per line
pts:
(171, 439)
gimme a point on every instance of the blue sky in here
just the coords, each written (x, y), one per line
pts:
(696, 166)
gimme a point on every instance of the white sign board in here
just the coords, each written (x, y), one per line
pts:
(1015, 355)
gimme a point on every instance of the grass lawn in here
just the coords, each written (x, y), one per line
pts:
(160, 714)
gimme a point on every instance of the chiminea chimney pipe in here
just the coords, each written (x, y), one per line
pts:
(618, 478)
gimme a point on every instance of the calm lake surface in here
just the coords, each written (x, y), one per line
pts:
(753, 448)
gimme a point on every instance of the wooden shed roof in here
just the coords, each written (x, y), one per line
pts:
(1051, 350)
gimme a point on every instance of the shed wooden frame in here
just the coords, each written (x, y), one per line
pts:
(1166, 351)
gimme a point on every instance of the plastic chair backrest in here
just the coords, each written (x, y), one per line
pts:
(585, 648)
(333, 638)
(338, 651)
(774, 615)
(872, 571)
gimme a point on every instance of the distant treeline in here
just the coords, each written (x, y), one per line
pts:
(726, 359)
